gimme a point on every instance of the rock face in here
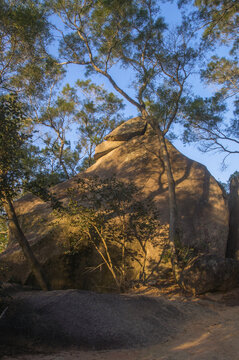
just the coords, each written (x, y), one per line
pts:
(202, 208)
(210, 273)
(233, 239)
(128, 130)
(106, 147)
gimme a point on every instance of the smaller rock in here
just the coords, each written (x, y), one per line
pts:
(106, 147)
(128, 130)
(210, 273)
(233, 238)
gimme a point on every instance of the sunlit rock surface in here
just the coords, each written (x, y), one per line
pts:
(202, 208)
(105, 147)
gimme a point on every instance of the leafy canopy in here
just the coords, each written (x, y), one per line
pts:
(12, 139)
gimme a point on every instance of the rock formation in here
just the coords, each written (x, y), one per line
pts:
(210, 273)
(131, 154)
(233, 239)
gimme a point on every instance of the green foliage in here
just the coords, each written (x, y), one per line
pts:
(99, 112)
(219, 19)
(222, 18)
(233, 179)
(20, 164)
(106, 27)
(184, 253)
(12, 172)
(202, 116)
(223, 72)
(85, 112)
(24, 34)
(101, 34)
(3, 233)
(204, 123)
(104, 213)
(12, 138)
(235, 174)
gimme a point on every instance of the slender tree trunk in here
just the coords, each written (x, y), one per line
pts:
(23, 242)
(64, 169)
(174, 233)
(61, 159)
(174, 227)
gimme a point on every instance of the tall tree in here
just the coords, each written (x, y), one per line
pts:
(24, 35)
(101, 34)
(12, 139)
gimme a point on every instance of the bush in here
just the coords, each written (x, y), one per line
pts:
(106, 213)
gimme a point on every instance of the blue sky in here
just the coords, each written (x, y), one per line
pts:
(213, 161)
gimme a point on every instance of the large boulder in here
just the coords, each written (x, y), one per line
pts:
(210, 273)
(201, 203)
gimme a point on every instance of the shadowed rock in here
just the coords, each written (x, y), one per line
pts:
(128, 130)
(210, 273)
(90, 321)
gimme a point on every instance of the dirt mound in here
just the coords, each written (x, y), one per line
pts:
(203, 328)
(73, 318)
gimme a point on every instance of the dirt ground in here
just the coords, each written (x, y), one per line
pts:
(214, 335)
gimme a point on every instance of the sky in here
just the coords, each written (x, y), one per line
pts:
(213, 161)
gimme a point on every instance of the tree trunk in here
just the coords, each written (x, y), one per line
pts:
(23, 242)
(174, 227)
(62, 163)
(64, 169)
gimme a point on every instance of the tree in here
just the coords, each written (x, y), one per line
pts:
(205, 124)
(57, 118)
(224, 73)
(24, 35)
(219, 19)
(3, 233)
(25, 67)
(104, 214)
(98, 112)
(12, 139)
(101, 34)
(71, 124)
(223, 28)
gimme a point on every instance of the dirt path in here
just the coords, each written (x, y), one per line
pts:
(212, 336)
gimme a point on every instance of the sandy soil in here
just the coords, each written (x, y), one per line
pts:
(212, 336)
